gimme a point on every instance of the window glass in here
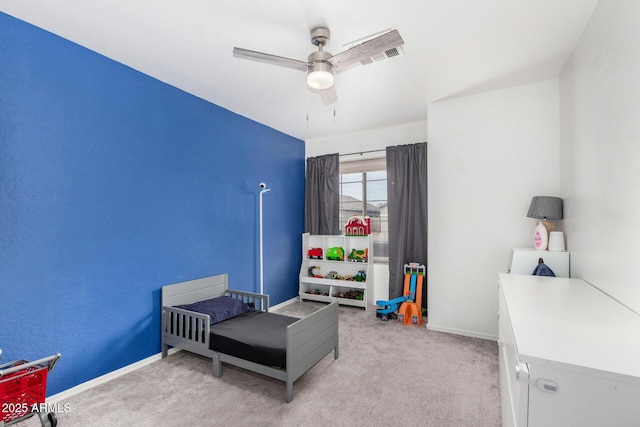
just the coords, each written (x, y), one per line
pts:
(365, 193)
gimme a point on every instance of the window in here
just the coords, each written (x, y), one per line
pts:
(363, 191)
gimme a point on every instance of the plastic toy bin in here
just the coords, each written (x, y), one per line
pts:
(23, 389)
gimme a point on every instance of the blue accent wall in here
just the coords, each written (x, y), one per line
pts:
(113, 184)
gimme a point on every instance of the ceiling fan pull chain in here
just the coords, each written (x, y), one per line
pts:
(307, 110)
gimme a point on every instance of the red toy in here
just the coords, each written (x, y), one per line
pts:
(23, 389)
(358, 226)
(314, 253)
(313, 273)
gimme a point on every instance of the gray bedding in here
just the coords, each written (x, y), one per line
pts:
(257, 336)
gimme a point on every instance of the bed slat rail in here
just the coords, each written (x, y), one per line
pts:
(260, 301)
(184, 325)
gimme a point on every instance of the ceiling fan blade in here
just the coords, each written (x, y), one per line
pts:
(270, 59)
(329, 96)
(366, 50)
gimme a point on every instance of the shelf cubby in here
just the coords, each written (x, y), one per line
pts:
(328, 287)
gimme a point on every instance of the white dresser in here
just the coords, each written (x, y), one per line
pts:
(569, 355)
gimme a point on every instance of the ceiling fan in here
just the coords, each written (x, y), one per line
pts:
(320, 65)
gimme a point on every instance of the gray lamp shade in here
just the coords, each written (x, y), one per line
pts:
(546, 207)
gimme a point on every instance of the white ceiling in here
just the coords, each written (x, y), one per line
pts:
(452, 48)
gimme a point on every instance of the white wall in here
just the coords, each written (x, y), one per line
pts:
(488, 155)
(600, 152)
(376, 139)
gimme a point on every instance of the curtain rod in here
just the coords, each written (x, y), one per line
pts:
(362, 152)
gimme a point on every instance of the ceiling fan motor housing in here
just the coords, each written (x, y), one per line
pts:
(320, 74)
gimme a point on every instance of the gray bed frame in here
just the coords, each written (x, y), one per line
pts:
(309, 339)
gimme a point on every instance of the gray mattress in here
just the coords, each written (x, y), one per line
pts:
(257, 336)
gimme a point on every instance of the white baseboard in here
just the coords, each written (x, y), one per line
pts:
(283, 304)
(473, 334)
(106, 377)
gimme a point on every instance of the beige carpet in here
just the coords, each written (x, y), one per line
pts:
(387, 375)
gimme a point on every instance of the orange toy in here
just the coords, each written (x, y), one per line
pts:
(410, 312)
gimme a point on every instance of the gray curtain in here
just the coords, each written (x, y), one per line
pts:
(407, 197)
(322, 195)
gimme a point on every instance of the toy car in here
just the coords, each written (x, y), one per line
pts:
(359, 255)
(335, 254)
(360, 276)
(314, 253)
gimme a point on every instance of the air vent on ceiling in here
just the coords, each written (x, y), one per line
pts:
(382, 56)
(392, 52)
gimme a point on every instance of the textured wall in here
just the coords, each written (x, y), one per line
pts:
(113, 184)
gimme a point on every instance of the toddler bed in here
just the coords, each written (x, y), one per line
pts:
(203, 316)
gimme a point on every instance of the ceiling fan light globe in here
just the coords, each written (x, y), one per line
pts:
(320, 79)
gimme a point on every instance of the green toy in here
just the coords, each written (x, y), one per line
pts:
(359, 255)
(335, 254)
(360, 276)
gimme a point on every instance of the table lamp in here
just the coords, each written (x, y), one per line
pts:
(545, 208)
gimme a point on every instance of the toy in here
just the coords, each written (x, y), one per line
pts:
(333, 275)
(314, 253)
(360, 276)
(359, 255)
(311, 272)
(358, 226)
(409, 311)
(317, 292)
(356, 294)
(335, 254)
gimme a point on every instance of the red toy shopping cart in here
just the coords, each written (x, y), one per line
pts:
(23, 390)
